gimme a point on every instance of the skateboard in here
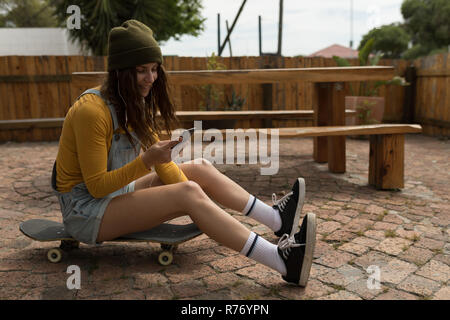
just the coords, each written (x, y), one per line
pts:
(169, 236)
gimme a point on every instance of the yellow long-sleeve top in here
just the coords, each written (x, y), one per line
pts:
(83, 152)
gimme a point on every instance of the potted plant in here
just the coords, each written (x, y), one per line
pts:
(368, 105)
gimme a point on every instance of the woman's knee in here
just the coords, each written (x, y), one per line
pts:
(192, 196)
(192, 191)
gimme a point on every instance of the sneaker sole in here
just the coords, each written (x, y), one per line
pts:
(301, 199)
(309, 249)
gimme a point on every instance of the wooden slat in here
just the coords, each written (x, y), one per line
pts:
(17, 107)
(4, 110)
(350, 130)
(36, 103)
(287, 94)
(301, 87)
(31, 123)
(36, 78)
(52, 100)
(5, 98)
(248, 115)
(433, 73)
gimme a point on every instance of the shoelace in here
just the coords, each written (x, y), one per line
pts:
(283, 201)
(286, 243)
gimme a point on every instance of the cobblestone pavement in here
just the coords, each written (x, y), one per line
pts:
(404, 233)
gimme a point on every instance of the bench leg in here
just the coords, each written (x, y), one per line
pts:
(329, 110)
(386, 163)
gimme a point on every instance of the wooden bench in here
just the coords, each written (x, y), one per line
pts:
(387, 141)
(387, 145)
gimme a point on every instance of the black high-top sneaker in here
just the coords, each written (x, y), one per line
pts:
(290, 208)
(297, 251)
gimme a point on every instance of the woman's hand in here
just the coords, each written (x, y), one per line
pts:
(160, 152)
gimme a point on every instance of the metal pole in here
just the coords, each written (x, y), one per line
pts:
(218, 32)
(260, 36)
(232, 27)
(280, 28)
(229, 39)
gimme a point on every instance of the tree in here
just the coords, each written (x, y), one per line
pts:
(389, 40)
(428, 23)
(26, 14)
(168, 19)
(427, 28)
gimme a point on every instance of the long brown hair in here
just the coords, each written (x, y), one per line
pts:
(141, 113)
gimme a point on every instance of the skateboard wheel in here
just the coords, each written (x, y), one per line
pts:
(165, 258)
(54, 255)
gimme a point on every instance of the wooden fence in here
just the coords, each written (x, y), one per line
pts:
(39, 87)
(432, 94)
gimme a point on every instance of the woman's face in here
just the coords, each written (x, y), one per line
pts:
(146, 75)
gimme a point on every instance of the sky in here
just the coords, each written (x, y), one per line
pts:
(308, 26)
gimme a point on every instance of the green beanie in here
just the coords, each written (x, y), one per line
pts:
(132, 44)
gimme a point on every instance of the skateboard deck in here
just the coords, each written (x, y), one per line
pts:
(168, 235)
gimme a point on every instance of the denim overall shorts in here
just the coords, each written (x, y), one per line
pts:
(82, 213)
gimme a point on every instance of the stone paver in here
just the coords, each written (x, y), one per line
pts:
(419, 285)
(393, 246)
(435, 270)
(419, 256)
(402, 233)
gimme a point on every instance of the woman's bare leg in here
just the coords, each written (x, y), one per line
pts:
(146, 208)
(215, 184)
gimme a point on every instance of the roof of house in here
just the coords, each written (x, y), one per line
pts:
(36, 41)
(336, 50)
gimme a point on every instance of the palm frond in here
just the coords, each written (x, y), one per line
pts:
(364, 53)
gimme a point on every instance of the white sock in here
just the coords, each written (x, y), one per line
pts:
(261, 212)
(262, 251)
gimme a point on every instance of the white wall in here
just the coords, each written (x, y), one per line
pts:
(36, 42)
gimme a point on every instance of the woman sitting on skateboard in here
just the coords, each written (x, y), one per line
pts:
(107, 188)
